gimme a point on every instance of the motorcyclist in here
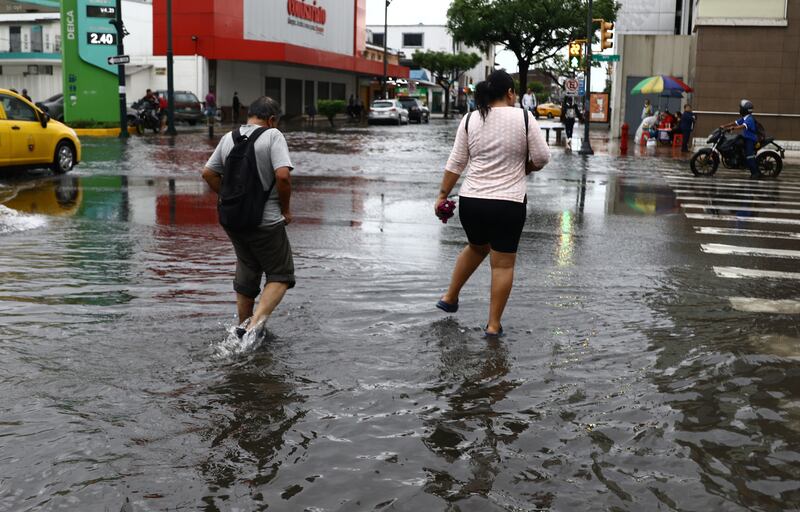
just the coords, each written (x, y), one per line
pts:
(748, 124)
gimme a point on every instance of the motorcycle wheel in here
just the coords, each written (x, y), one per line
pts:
(704, 163)
(770, 164)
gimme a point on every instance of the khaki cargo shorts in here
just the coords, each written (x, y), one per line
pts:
(261, 251)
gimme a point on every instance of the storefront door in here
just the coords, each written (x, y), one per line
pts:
(294, 97)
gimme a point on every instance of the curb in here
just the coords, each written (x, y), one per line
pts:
(100, 132)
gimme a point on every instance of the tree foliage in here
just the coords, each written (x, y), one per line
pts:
(534, 31)
(446, 69)
(330, 109)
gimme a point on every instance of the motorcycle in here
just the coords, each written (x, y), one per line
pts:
(729, 149)
(146, 118)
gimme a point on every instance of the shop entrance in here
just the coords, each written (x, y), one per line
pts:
(294, 98)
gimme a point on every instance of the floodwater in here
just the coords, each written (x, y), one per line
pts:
(627, 381)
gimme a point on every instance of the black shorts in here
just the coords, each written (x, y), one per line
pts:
(492, 221)
(265, 250)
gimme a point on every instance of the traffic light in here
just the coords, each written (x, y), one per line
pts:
(575, 53)
(606, 35)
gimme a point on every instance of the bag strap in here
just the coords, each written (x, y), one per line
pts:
(466, 125)
(527, 144)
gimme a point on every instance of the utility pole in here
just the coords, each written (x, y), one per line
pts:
(385, 46)
(123, 101)
(586, 146)
(170, 75)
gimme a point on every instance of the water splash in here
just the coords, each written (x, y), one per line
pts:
(12, 221)
(234, 345)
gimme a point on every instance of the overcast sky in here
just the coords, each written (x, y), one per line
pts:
(429, 12)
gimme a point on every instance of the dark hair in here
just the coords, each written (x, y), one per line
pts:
(492, 89)
(264, 108)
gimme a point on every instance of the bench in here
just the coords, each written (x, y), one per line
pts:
(557, 129)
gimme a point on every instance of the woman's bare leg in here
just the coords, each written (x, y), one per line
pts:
(502, 282)
(468, 261)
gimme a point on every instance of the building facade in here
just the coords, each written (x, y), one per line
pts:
(30, 50)
(294, 51)
(749, 50)
(408, 39)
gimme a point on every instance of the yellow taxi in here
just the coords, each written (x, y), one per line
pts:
(549, 110)
(29, 138)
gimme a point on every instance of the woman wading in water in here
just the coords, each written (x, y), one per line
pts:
(501, 144)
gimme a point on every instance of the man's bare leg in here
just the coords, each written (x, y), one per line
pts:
(244, 306)
(270, 298)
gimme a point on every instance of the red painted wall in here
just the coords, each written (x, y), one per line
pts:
(219, 29)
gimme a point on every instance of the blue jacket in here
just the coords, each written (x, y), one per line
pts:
(750, 129)
(687, 122)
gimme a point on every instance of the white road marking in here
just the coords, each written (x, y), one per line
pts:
(751, 273)
(753, 233)
(753, 305)
(694, 206)
(737, 218)
(737, 201)
(750, 185)
(709, 190)
(749, 251)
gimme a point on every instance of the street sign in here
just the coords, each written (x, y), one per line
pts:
(119, 59)
(581, 86)
(571, 87)
(605, 58)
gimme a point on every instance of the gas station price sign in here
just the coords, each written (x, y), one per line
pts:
(101, 38)
(101, 11)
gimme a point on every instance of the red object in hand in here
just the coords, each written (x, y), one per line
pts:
(445, 210)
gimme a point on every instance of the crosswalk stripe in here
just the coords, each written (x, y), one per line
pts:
(732, 180)
(709, 190)
(745, 273)
(753, 185)
(754, 305)
(695, 206)
(749, 251)
(754, 233)
(737, 201)
(738, 218)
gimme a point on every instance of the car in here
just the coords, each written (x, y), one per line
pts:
(549, 110)
(187, 107)
(30, 138)
(54, 106)
(387, 111)
(416, 110)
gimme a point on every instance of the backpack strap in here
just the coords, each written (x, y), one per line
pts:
(466, 124)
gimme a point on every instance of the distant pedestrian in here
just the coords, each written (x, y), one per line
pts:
(647, 110)
(311, 112)
(359, 108)
(686, 126)
(163, 107)
(211, 103)
(25, 95)
(569, 115)
(351, 107)
(261, 247)
(502, 145)
(236, 106)
(528, 100)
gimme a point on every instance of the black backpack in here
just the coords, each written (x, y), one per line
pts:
(242, 196)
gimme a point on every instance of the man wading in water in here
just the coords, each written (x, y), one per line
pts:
(250, 171)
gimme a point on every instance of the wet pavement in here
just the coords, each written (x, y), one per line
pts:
(652, 360)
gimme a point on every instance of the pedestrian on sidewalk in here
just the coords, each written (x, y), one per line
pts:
(501, 144)
(236, 106)
(569, 114)
(528, 100)
(686, 126)
(262, 249)
(647, 110)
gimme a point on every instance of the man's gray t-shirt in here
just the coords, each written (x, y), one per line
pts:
(272, 153)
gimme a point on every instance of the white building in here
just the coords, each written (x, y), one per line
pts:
(412, 38)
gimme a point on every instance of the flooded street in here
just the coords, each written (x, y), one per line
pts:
(651, 362)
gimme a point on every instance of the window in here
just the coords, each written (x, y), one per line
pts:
(338, 92)
(323, 91)
(412, 40)
(37, 45)
(377, 39)
(17, 110)
(273, 88)
(57, 44)
(15, 39)
(39, 69)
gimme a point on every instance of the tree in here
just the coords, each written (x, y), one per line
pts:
(330, 108)
(446, 69)
(535, 32)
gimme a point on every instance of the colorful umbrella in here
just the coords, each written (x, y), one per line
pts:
(661, 84)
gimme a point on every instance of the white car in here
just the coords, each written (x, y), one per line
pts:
(387, 111)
